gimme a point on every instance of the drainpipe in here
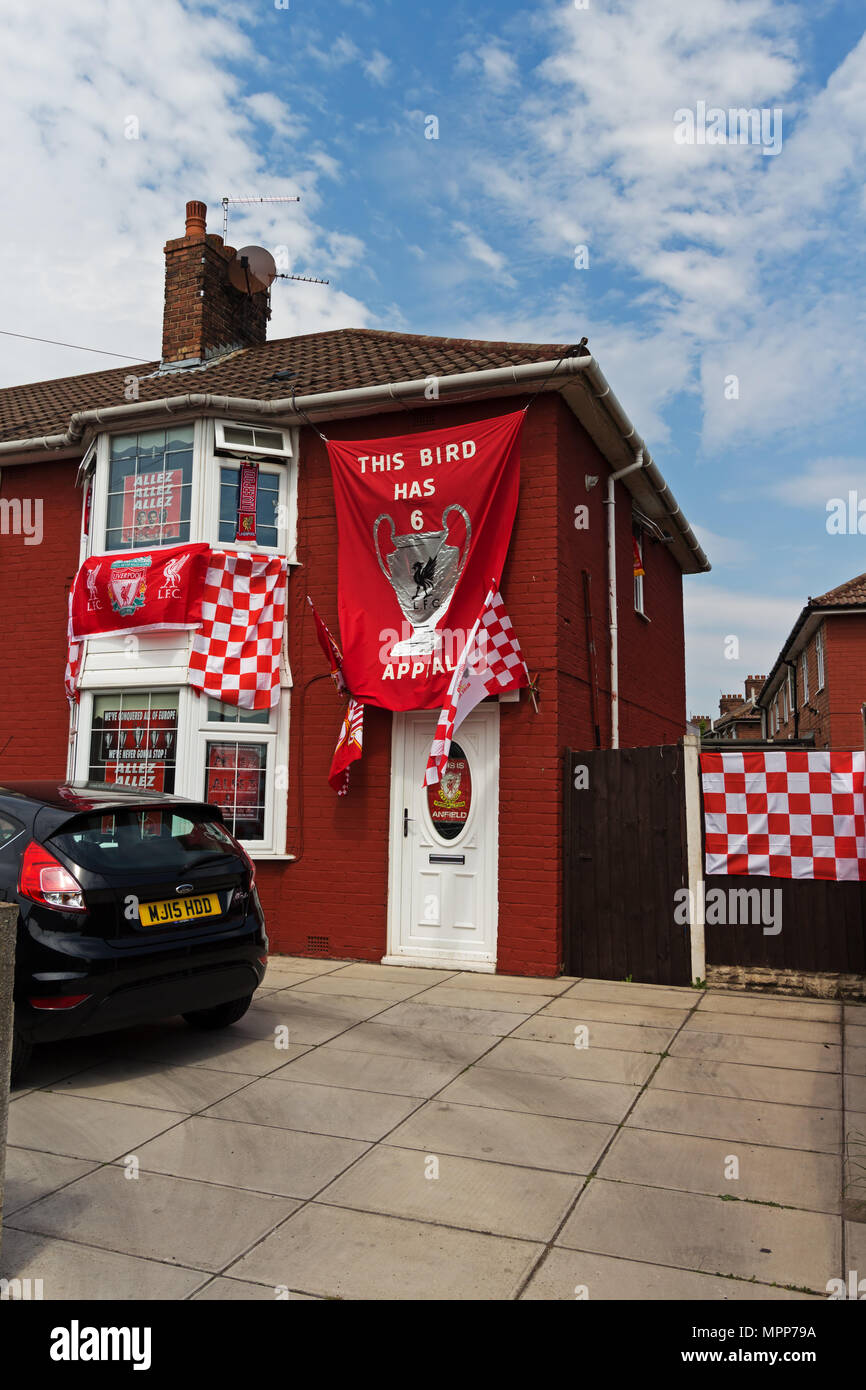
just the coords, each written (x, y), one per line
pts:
(610, 503)
(792, 666)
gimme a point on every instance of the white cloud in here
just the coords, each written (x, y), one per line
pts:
(822, 480)
(93, 208)
(479, 250)
(378, 67)
(714, 615)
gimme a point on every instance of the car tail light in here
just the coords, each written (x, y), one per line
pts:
(44, 880)
(58, 1001)
(246, 858)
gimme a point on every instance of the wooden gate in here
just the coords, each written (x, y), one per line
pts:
(625, 856)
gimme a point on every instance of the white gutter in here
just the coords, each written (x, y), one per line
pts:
(610, 504)
(325, 404)
(367, 399)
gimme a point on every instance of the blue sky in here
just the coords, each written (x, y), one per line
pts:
(556, 129)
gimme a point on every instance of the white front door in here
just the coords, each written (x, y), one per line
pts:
(442, 900)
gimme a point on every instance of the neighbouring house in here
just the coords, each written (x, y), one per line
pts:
(739, 717)
(818, 682)
(592, 582)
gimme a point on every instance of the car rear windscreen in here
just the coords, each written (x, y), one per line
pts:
(120, 841)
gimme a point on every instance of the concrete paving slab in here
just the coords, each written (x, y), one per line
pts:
(788, 1177)
(80, 1273)
(565, 1272)
(160, 1218)
(360, 1255)
(623, 1037)
(463, 1192)
(762, 1026)
(316, 1109)
(417, 974)
(855, 1013)
(147, 1084)
(31, 1174)
(555, 1059)
(855, 1093)
(226, 1050)
(794, 1248)
(425, 1044)
(509, 984)
(752, 1121)
(312, 1018)
(448, 995)
(772, 1084)
(605, 1102)
(855, 1244)
(855, 1037)
(855, 1061)
(366, 1071)
(309, 965)
(770, 1005)
(760, 1052)
(496, 1022)
(237, 1291)
(533, 1141)
(81, 1128)
(350, 987)
(257, 1158)
(645, 996)
(584, 1010)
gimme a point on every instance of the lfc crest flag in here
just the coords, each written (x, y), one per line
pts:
(423, 521)
(350, 746)
(144, 591)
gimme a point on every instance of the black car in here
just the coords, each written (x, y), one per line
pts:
(133, 906)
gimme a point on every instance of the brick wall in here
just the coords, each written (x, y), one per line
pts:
(203, 311)
(34, 585)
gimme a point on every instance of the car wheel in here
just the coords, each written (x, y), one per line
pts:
(221, 1015)
(21, 1052)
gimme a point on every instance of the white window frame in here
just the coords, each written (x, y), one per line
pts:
(193, 732)
(639, 595)
(101, 477)
(792, 689)
(255, 448)
(804, 672)
(819, 657)
(160, 660)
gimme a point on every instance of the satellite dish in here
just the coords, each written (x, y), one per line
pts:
(252, 270)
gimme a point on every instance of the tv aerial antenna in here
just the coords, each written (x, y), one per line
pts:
(253, 268)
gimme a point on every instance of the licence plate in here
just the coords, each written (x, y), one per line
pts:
(178, 910)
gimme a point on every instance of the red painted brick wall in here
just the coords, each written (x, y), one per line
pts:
(34, 585)
(845, 671)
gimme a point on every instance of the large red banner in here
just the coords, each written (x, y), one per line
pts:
(424, 522)
(145, 591)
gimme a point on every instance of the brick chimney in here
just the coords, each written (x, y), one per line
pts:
(204, 313)
(753, 685)
(729, 702)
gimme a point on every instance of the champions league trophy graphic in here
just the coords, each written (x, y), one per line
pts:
(423, 571)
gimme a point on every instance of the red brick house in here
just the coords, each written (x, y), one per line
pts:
(739, 717)
(818, 681)
(338, 876)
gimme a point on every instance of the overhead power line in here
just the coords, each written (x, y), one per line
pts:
(75, 346)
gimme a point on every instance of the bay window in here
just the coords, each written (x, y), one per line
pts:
(139, 722)
(149, 488)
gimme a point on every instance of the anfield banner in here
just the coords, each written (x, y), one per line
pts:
(145, 591)
(423, 521)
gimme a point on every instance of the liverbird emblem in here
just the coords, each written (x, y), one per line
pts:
(423, 576)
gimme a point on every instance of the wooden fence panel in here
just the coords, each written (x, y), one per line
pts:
(625, 858)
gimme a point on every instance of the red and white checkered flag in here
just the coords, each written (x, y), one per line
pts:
(73, 659)
(786, 813)
(235, 655)
(490, 664)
